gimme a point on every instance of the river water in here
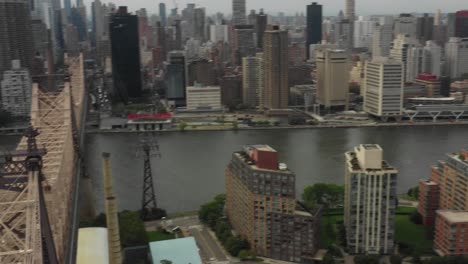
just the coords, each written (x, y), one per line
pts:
(191, 169)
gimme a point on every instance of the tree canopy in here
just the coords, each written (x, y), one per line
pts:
(326, 194)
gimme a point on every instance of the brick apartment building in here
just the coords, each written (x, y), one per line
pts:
(261, 206)
(443, 202)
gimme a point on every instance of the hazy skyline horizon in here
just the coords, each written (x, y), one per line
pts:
(330, 8)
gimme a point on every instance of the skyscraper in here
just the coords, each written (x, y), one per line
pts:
(175, 78)
(252, 74)
(332, 77)
(416, 63)
(16, 39)
(383, 88)
(125, 55)
(406, 24)
(244, 44)
(456, 52)
(370, 201)
(261, 21)
(461, 24)
(381, 40)
(239, 12)
(275, 52)
(350, 14)
(433, 53)
(199, 24)
(363, 32)
(261, 206)
(15, 90)
(162, 14)
(425, 28)
(350, 10)
(314, 25)
(400, 48)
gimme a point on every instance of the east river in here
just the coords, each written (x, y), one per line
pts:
(190, 170)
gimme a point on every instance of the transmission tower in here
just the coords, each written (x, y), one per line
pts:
(149, 147)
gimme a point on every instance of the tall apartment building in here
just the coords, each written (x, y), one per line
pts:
(451, 233)
(363, 32)
(461, 24)
(16, 89)
(456, 52)
(275, 58)
(16, 38)
(332, 77)
(239, 11)
(384, 88)
(261, 206)
(415, 63)
(314, 26)
(400, 48)
(219, 33)
(125, 55)
(428, 201)
(244, 44)
(343, 34)
(381, 40)
(370, 201)
(260, 27)
(252, 77)
(406, 24)
(443, 202)
(433, 58)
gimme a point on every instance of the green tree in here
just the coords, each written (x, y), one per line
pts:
(182, 126)
(363, 259)
(414, 192)
(328, 259)
(395, 259)
(235, 244)
(165, 261)
(211, 212)
(132, 229)
(416, 259)
(244, 255)
(328, 195)
(235, 125)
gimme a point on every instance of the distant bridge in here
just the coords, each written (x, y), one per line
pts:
(57, 112)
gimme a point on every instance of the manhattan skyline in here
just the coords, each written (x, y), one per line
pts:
(331, 7)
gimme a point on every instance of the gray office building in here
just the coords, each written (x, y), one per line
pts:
(175, 78)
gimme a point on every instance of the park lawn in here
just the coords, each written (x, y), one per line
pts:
(405, 210)
(159, 236)
(329, 230)
(411, 234)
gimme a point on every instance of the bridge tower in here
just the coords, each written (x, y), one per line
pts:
(21, 178)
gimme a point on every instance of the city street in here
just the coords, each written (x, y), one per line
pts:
(211, 251)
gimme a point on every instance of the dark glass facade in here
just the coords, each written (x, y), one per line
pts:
(125, 55)
(314, 25)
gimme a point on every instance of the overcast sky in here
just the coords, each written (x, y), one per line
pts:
(331, 7)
